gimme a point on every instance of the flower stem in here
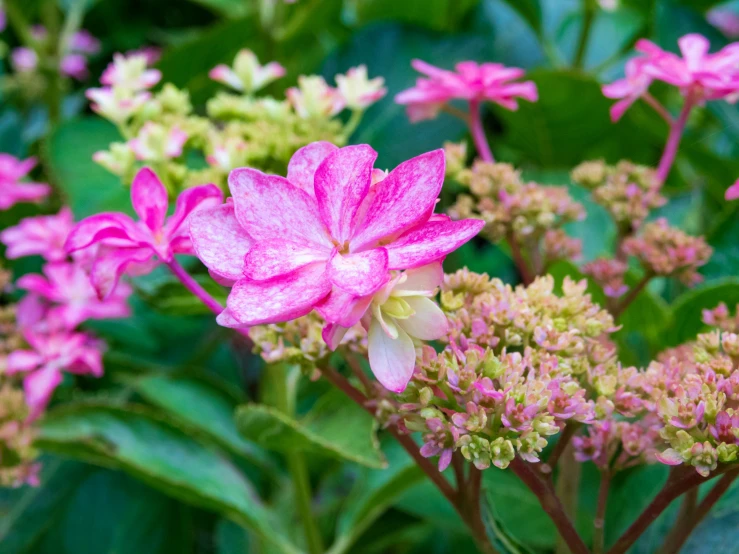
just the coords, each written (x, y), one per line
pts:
(478, 133)
(564, 439)
(194, 287)
(673, 141)
(551, 505)
(521, 264)
(659, 108)
(599, 522)
(351, 125)
(589, 9)
(633, 293)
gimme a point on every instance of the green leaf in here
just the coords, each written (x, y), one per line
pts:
(87, 187)
(687, 320)
(33, 509)
(335, 427)
(201, 403)
(373, 493)
(170, 297)
(723, 238)
(530, 10)
(232, 539)
(227, 8)
(152, 449)
(439, 15)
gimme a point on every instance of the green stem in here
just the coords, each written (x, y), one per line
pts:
(352, 124)
(589, 10)
(54, 89)
(18, 22)
(285, 401)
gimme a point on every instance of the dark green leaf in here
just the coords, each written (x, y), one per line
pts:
(160, 454)
(227, 8)
(335, 427)
(170, 297)
(687, 321)
(530, 10)
(439, 15)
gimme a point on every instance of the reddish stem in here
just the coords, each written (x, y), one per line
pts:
(673, 141)
(631, 296)
(551, 505)
(478, 133)
(599, 522)
(659, 108)
(522, 265)
(564, 439)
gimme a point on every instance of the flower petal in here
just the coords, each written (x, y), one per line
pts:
(428, 322)
(278, 300)
(305, 161)
(219, 241)
(39, 386)
(22, 360)
(422, 280)
(431, 242)
(341, 183)
(269, 207)
(189, 200)
(110, 266)
(403, 199)
(732, 193)
(343, 308)
(391, 360)
(359, 274)
(332, 335)
(149, 198)
(273, 258)
(107, 225)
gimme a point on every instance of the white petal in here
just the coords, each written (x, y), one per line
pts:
(391, 360)
(428, 322)
(423, 280)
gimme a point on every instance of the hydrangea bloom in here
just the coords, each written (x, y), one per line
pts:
(12, 191)
(247, 74)
(313, 97)
(486, 82)
(130, 71)
(155, 142)
(323, 237)
(629, 89)
(50, 355)
(23, 59)
(125, 241)
(358, 91)
(73, 299)
(43, 235)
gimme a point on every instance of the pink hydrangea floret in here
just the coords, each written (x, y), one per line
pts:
(43, 235)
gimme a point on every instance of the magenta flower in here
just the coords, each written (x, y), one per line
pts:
(323, 237)
(732, 193)
(50, 355)
(84, 43)
(630, 88)
(486, 82)
(23, 59)
(130, 71)
(67, 287)
(124, 241)
(43, 235)
(12, 191)
(75, 66)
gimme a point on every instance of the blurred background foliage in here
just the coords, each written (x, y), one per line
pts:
(163, 468)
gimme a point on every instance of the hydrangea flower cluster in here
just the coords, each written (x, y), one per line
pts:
(240, 127)
(516, 369)
(12, 189)
(628, 191)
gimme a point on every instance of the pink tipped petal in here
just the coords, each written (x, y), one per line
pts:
(404, 198)
(359, 274)
(694, 47)
(670, 457)
(274, 258)
(428, 322)
(619, 108)
(213, 228)
(269, 207)
(341, 183)
(343, 308)
(195, 198)
(332, 335)
(39, 386)
(425, 279)
(103, 226)
(149, 198)
(431, 242)
(37, 284)
(226, 319)
(281, 299)
(20, 361)
(732, 193)
(108, 268)
(391, 360)
(303, 164)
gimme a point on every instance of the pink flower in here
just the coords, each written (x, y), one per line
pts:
(323, 237)
(116, 104)
(125, 241)
(50, 355)
(12, 170)
(130, 71)
(154, 142)
(358, 91)
(73, 299)
(43, 235)
(630, 88)
(313, 97)
(75, 66)
(84, 43)
(23, 59)
(473, 82)
(732, 193)
(247, 74)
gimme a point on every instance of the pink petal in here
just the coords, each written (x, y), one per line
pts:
(343, 308)
(100, 227)
(22, 360)
(431, 242)
(359, 274)
(110, 266)
(149, 198)
(732, 193)
(694, 47)
(273, 258)
(303, 164)
(189, 200)
(341, 183)
(428, 322)
(37, 284)
(619, 108)
(403, 199)
(278, 300)
(219, 241)
(670, 457)
(332, 335)
(269, 207)
(39, 386)
(391, 360)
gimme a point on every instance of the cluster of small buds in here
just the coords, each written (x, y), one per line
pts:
(300, 341)
(628, 191)
(721, 318)
(609, 275)
(455, 154)
(614, 445)
(511, 207)
(241, 127)
(520, 364)
(558, 245)
(668, 251)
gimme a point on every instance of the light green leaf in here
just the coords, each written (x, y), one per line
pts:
(152, 449)
(335, 427)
